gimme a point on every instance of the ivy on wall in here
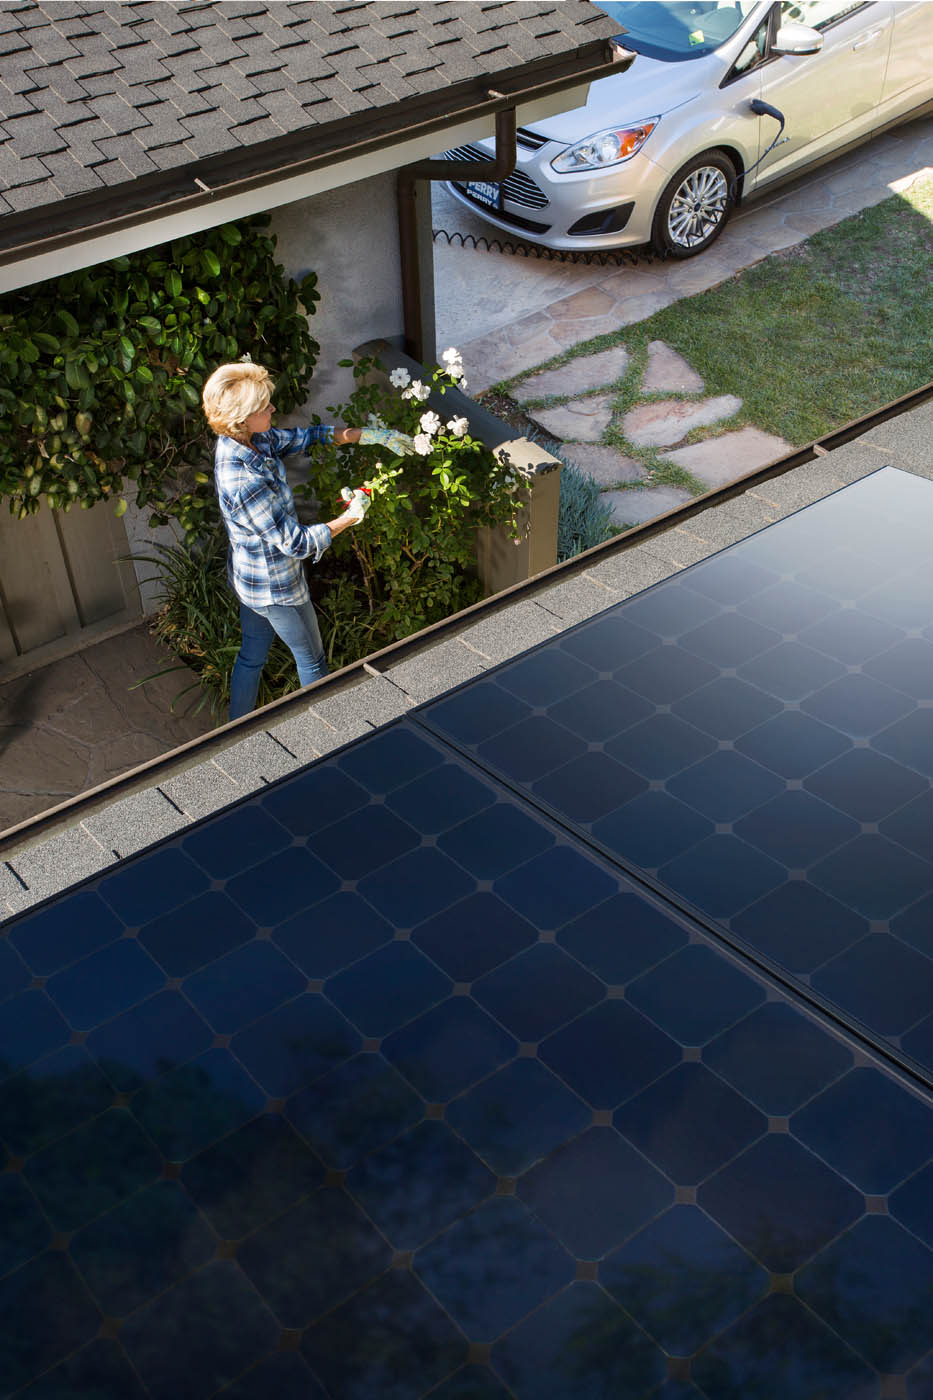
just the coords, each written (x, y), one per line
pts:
(101, 370)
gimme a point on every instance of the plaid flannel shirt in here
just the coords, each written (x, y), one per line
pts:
(267, 543)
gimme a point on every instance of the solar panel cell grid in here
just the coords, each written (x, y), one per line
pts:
(786, 794)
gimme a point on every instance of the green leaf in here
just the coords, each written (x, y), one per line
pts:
(120, 506)
(46, 342)
(75, 374)
(173, 283)
(211, 261)
(128, 348)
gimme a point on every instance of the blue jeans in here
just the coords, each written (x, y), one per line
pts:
(297, 625)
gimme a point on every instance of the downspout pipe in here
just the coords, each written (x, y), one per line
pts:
(495, 170)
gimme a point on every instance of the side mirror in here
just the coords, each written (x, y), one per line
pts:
(793, 38)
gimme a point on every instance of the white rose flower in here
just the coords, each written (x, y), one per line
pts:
(416, 390)
(430, 423)
(451, 356)
(399, 378)
(422, 444)
(455, 370)
(458, 427)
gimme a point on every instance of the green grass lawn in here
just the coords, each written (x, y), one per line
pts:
(815, 335)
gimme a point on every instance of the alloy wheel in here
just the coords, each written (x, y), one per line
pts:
(698, 207)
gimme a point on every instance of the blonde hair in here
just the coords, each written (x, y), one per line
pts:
(232, 393)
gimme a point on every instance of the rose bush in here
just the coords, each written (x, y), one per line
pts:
(413, 562)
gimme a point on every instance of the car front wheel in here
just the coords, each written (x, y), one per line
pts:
(695, 206)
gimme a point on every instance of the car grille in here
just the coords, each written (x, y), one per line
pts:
(531, 139)
(517, 187)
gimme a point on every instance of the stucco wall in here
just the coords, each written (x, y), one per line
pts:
(349, 237)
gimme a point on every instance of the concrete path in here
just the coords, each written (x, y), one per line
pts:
(76, 722)
(509, 314)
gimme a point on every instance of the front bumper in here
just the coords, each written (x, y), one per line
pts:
(536, 203)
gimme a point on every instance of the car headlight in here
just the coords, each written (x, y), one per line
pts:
(605, 147)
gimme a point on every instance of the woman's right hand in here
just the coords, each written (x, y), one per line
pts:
(358, 503)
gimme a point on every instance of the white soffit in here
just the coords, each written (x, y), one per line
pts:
(223, 209)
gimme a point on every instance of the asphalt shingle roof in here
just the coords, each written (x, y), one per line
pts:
(95, 95)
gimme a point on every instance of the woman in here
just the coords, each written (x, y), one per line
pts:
(267, 544)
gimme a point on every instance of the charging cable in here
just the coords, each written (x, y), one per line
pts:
(761, 109)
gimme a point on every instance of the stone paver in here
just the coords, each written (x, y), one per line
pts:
(583, 421)
(664, 423)
(606, 465)
(722, 459)
(644, 503)
(591, 302)
(587, 372)
(669, 373)
(567, 333)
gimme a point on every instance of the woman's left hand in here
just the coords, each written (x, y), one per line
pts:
(398, 443)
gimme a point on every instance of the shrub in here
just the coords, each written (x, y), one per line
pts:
(101, 370)
(413, 560)
(583, 519)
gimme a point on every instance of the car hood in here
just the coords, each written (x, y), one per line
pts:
(648, 88)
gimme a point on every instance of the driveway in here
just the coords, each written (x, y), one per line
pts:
(508, 313)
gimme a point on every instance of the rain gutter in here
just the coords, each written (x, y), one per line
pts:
(200, 183)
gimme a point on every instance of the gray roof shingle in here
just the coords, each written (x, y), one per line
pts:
(122, 63)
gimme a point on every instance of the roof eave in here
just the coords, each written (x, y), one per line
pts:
(50, 227)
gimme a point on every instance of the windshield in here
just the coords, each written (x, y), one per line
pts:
(677, 29)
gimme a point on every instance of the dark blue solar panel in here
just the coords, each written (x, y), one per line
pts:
(776, 775)
(385, 1083)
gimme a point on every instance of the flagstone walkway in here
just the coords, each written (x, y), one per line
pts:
(670, 406)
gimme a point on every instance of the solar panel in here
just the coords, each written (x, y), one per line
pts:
(400, 1079)
(755, 737)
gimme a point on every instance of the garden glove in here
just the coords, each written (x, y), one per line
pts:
(357, 502)
(399, 443)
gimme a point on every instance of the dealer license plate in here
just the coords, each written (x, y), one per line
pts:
(484, 192)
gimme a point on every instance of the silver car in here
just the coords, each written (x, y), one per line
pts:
(722, 101)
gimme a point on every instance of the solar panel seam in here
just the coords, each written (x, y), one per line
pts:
(748, 955)
(815, 775)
